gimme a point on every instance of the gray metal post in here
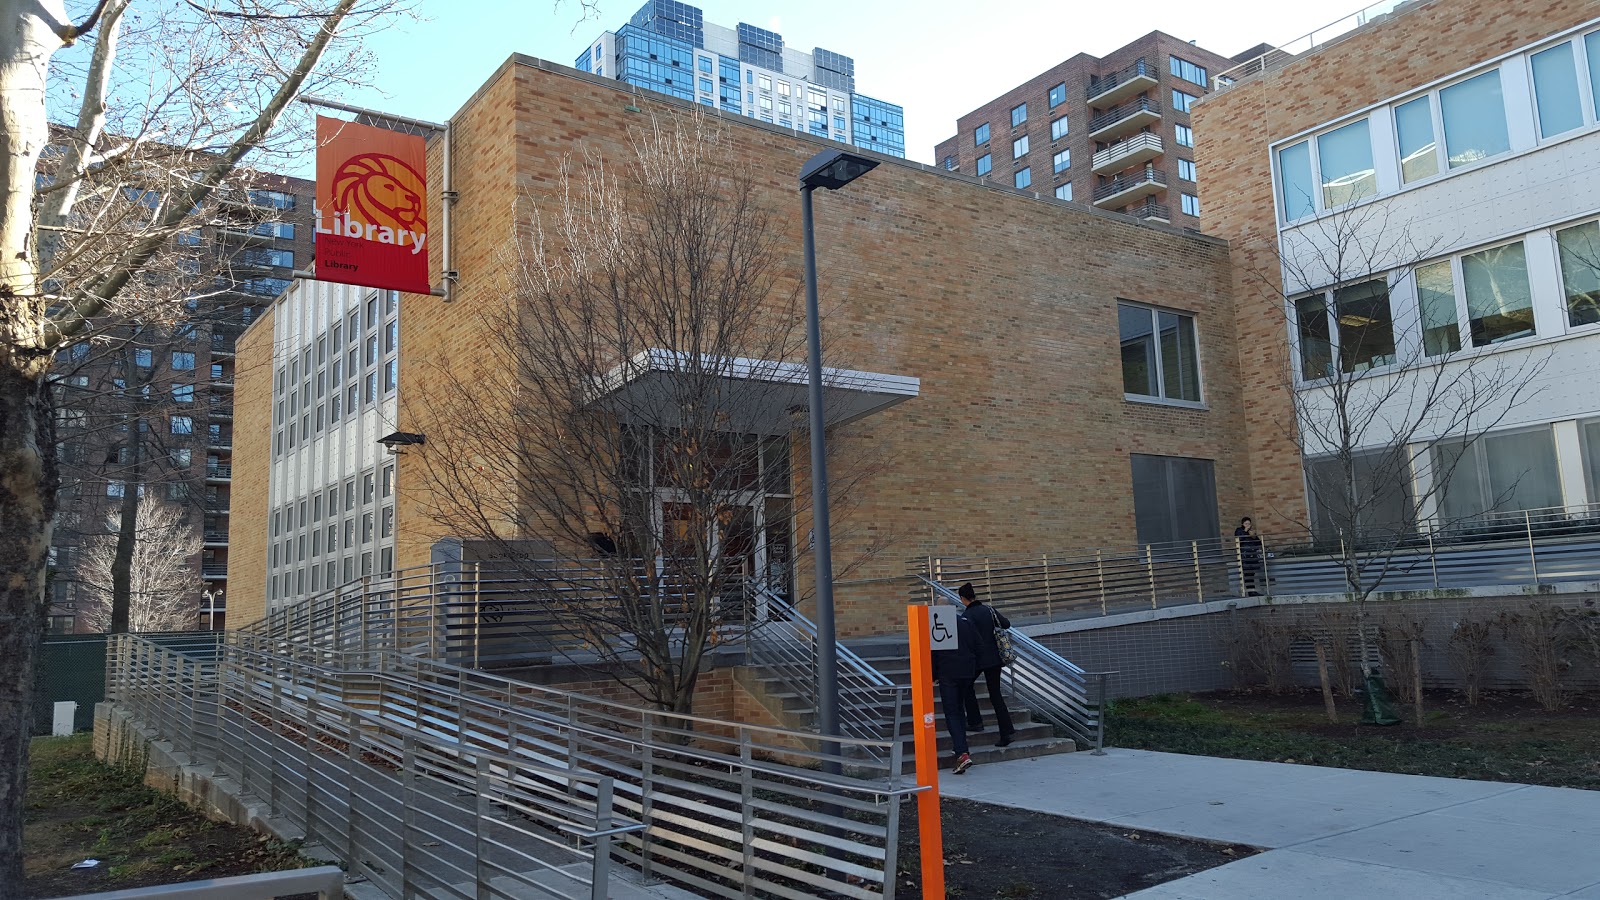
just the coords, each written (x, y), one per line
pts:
(1533, 555)
(600, 888)
(827, 650)
(1100, 716)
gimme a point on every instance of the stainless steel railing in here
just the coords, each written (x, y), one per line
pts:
(781, 642)
(727, 809)
(414, 812)
(1051, 687)
(1511, 549)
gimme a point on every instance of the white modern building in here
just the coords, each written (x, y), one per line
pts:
(336, 368)
(668, 47)
(1441, 228)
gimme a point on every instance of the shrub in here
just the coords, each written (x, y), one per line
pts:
(1544, 636)
(1470, 648)
(1397, 630)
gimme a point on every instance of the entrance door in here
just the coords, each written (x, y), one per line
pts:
(733, 542)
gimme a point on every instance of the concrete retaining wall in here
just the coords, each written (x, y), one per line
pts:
(1188, 649)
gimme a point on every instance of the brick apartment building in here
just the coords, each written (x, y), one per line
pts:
(178, 383)
(1473, 127)
(1113, 132)
(1046, 381)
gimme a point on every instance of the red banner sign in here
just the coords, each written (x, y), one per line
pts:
(371, 211)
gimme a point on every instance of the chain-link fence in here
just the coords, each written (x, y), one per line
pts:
(71, 667)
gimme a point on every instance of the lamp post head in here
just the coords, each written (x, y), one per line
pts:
(833, 169)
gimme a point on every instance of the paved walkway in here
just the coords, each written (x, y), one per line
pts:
(1329, 833)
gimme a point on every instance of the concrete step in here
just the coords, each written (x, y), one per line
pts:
(1019, 750)
(984, 740)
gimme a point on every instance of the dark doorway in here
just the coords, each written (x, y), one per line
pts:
(1174, 499)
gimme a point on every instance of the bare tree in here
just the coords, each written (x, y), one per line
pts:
(623, 442)
(163, 586)
(1384, 406)
(157, 112)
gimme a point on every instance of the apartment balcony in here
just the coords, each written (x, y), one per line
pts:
(222, 442)
(215, 572)
(1119, 86)
(222, 407)
(1125, 189)
(1151, 211)
(222, 345)
(244, 234)
(216, 538)
(1125, 119)
(219, 473)
(222, 384)
(1136, 150)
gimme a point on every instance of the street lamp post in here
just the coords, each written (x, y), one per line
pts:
(831, 169)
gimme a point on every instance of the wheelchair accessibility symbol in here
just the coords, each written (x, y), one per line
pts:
(942, 628)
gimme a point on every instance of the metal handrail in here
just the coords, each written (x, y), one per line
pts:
(1148, 175)
(1315, 40)
(1510, 548)
(1052, 688)
(736, 796)
(1138, 69)
(783, 644)
(1118, 113)
(1151, 211)
(279, 737)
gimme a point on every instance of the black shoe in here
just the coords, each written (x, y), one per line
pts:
(974, 729)
(1005, 741)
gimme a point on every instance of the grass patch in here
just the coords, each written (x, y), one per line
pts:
(80, 808)
(1505, 738)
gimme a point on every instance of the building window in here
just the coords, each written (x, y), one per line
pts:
(1186, 169)
(183, 393)
(985, 163)
(1580, 271)
(1064, 191)
(1354, 323)
(1436, 301)
(980, 135)
(391, 375)
(1058, 128)
(1023, 177)
(1555, 88)
(1419, 152)
(1019, 114)
(1294, 181)
(1498, 472)
(182, 360)
(1181, 101)
(1159, 356)
(181, 424)
(142, 358)
(705, 64)
(388, 481)
(1019, 147)
(1058, 95)
(1344, 157)
(1380, 504)
(1474, 115)
(1188, 71)
(1499, 301)
(1185, 135)
(765, 83)
(1191, 204)
(1174, 499)
(1061, 161)
(950, 163)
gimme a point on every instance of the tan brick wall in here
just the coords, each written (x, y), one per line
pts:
(252, 459)
(1004, 305)
(1233, 130)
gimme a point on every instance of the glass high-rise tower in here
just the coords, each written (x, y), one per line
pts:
(668, 47)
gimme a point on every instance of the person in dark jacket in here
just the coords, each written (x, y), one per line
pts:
(954, 670)
(1249, 556)
(985, 619)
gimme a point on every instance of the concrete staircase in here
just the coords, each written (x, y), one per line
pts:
(889, 656)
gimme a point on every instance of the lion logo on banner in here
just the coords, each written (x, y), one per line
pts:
(381, 190)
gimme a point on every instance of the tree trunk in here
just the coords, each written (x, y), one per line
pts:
(27, 507)
(127, 529)
(27, 468)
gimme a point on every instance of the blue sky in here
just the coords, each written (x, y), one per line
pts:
(939, 58)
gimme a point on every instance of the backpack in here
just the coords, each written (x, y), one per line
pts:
(1002, 642)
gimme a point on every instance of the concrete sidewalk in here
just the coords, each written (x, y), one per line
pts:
(1329, 833)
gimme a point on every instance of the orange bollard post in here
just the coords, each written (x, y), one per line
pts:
(927, 749)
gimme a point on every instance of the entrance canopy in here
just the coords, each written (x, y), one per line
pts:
(753, 396)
